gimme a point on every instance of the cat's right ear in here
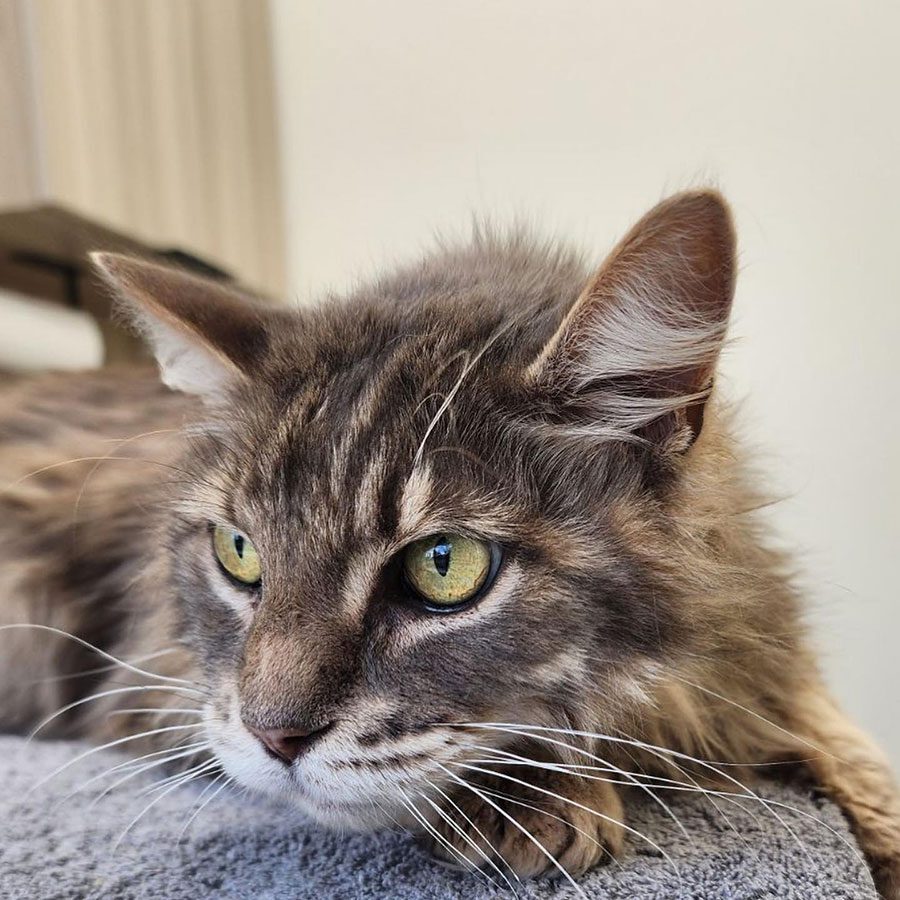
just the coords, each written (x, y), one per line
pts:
(205, 336)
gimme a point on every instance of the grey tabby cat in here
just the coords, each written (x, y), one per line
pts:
(427, 553)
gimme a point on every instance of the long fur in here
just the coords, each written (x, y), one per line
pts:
(640, 615)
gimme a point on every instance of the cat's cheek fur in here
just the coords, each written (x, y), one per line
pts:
(241, 601)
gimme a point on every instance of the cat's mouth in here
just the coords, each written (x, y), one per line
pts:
(333, 794)
(336, 783)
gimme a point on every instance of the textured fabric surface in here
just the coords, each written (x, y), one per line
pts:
(53, 847)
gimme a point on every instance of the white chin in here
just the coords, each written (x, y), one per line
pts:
(273, 779)
(362, 815)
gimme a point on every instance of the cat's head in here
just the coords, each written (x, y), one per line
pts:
(450, 498)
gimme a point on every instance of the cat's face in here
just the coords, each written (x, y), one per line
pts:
(438, 504)
(336, 633)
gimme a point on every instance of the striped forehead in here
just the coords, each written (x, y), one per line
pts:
(339, 460)
(348, 471)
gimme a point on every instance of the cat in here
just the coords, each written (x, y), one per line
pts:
(417, 553)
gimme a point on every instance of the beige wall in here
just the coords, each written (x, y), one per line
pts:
(399, 117)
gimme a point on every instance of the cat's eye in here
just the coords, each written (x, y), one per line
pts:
(237, 555)
(446, 571)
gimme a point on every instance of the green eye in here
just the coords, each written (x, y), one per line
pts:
(446, 570)
(236, 554)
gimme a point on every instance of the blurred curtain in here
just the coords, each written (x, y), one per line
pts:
(153, 116)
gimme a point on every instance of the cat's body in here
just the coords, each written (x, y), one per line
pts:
(485, 393)
(77, 507)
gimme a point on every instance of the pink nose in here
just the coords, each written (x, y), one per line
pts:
(287, 744)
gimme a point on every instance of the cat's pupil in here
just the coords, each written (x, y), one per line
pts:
(440, 556)
(239, 545)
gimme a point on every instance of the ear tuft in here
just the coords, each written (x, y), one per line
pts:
(637, 352)
(205, 336)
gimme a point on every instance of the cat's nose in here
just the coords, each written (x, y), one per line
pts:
(288, 744)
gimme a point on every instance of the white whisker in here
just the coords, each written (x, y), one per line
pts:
(663, 753)
(458, 829)
(147, 657)
(755, 714)
(156, 711)
(120, 443)
(81, 459)
(683, 772)
(502, 795)
(147, 808)
(203, 804)
(420, 818)
(99, 696)
(660, 783)
(387, 814)
(630, 777)
(481, 834)
(578, 805)
(200, 769)
(467, 368)
(116, 743)
(139, 770)
(461, 781)
(137, 760)
(99, 652)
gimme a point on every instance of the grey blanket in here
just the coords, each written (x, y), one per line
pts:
(241, 847)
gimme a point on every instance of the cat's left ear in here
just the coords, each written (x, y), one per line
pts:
(636, 354)
(206, 337)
